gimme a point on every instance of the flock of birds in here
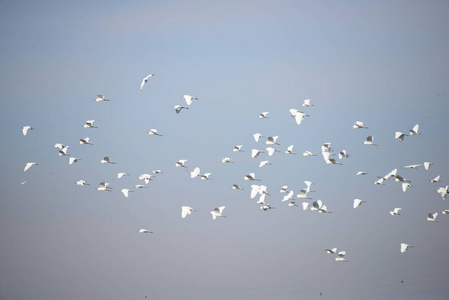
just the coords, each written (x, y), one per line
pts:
(261, 190)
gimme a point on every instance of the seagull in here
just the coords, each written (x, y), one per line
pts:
(427, 165)
(405, 186)
(238, 148)
(81, 182)
(186, 210)
(226, 160)
(104, 187)
(106, 160)
(218, 212)
(443, 191)
(342, 154)
(290, 150)
(178, 108)
(283, 189)
(404, 247)
(271, 140)
(251, 176)
(181, 163)
(145, 81)
(73, 160)
(125, 192)
(369, 141)
(25, 129)
(195, 173)
(264, 163)
(358, 125)
(255, 153)
(341, 256)
(236, 187)
(436, 179)
(395, 212)
(357, 202)
(146, 178)
(412, 166)
(432, 217)
(399, 135)
(29, 165)
(307, 103)
(101, 98)
(298, 115)
(89, 124)
(257, 136)
(361, 173)
(189, 99)
(85, 141)
(331, 251)
(308, 153)
(271, 151)
(154, 132)
(264, 115)
(414, 131)
(145, 231)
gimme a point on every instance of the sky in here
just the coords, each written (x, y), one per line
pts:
(381, 62)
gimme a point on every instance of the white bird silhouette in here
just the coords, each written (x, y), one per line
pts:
(255, 153)
(226, 160)
(145, 81)
(427, 165)
(379, 181)
(399, 135)
(290, 150)
(445, 212)
(154, 132)
(266, 207)
(298, 115)
(218, 212)
(271, 151)
(63, 151)
(264, 163)
(309, 186)
(412, 166)
(370, 141)
(432, 217)
(205, 176)
(178, 108)
(81, 182)
(104, 186)
(443, 191)
(308, 153)
(106, 160)
(395, 212)
(342, 154)
(89, 124)
(186, 210)
(238, 148)
(361, 173)
(146, 178)
(358, 125)
(307, 103)
(257, 136)
(236, 187)
(288, 197)
(414, 130)
(263, 115)
(251, 176)
(100, 98)
(305, 205)
(29, 165)
(283, 189)
(189, 99)
(145, 231)
(120, 175)
(157, 172)
(181, 163)
(331, 251)
(271, 140)
(405, 186)
(195, 173)
(358, 202)
(25, 129)
(341, 256)
(399, 178)
(436, 179)
(302, 194)
(126, 192)
(405, 247)
(326, 147)
(258, 189)
(73, 160)
(292, 204)
(141, 186)
(85, 141)
(328, 160)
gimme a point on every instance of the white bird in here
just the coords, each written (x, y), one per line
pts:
(141, 186)
(178, 108)
(257, 136)
(391, 174)
(89, 124)
(226, 160)
(302, 194)
(412, 166)
(154, 132)
(443, 191)
(264, 163)
(361, 173)
(63, 151)
(290, 150)
(432, 217)
(29, 165)
(427, 165)
(146, 178)
(399, 178)
(404, 247)
(126, 192)
(100, 98)
(292, 203)
(379, 181)
(255, 153)
(305, 205)
(156, 172)
(59, 145)
(331, 251)
(251, 176)
(369, 141)
(283, 189)
(264, 115)
(73, 160)
(436, 179)
(414, 131)
(271, 151)
(328, 160)
(189, 99)
(104, 186)
(186, 210)
(298, 115)
(205, 176)
(145, 231)
(445, 212)
(357, 202)
(145, 81)
(85, 141)
(106, 160)
(358, 125)
(405, 186)
(399, 135)
(288, 197)
(238, 148)
(308, 153)
(195, 172)
(266, 207)
(236, 187)
(256, 189)
(342, 154)
(395, 212)
(25, 129)
(323, 209)
(81, 182)
(218, 212)
(341, 256)
(271, 140)
(316, 205)
(23, 182)
(309, 186)
(181, 163)
(326, 147)
(307, 103)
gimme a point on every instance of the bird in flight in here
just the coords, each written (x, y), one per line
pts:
(25, 129)
(100, 98)
(145, 81)
(189, 99)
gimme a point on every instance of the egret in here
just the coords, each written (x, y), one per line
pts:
(238, 148)
(271, 140)
(326, 147)
(156, 172)
(395, 212)
(290, 150)
(257, 136)
(104, 186)
(266, 207)
(399, 135)
(195, 172)
(342, 154)
(309, 186)
(404, 247)
(154, 132)
(405, 186)
(178, 108)
(302, 194)
(379, 181)
(264, 163)
(205, 176)
(251, 176)
(181, 163)
(146, 178)
(89, 124)
(59, 145)
(361, 173)
(391, 174)
(298, 115)
(226, 160)
(29, 165)
(412, 166)
(263, 115)
(308, 153)
(328, 160)
(120, 175)
(445, 212)
(436, 179)
(100, 98)
(316, 205)
(331, 251)
(341, 256)
(236, 187)
(106, 160)
(271, 151)
(399, 178)
(305, 205)
(427, 165)
(25, 129)
(186, 210)
(126, 192)
(189, 99)
(85, 141)
(414, 130)
(369, 141)
(443, 191)
(358, 125)
(432, 217)
(145, 231)
(73, 160)
(358, 202)
(307, 103)
(218, 212)
(141, 186)
(255, 153)
(63, 151)
(323, 209)
(81, 182)
(288, 197)
(292, 203)
(145, 81)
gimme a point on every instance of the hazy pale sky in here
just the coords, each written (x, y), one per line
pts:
(382, 62)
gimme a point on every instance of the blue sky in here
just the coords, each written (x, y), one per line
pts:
(384, 63)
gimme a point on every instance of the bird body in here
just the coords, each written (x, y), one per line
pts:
(189, 99)
(29, 165)
(144, 80)
(100, 98)
(369, 141)
(358, 125)
(73, 160)
(432, 217)
(81, 182)
(238, 148)
(126, 192)
(25, 129)
(251, 176)
(395, 212)
(154, 132)
(263, 115)
(178, 108)
(89, 124)
(120, 175)
(399, 135)
(106, 160)
(405, 247)
(186, 210)
(358, 202)
(218, 212)
(414, 130)
(145, 231)
(85, 141)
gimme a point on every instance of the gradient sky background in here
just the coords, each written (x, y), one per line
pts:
(382, 62)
